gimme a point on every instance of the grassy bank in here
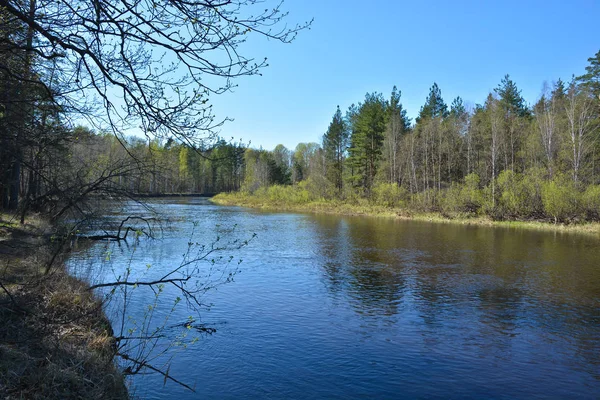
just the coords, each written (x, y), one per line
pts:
(55, 340)
(364, 207)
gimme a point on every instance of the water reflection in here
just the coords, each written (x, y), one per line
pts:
(330, 306)
(354, 268)
(480, 289)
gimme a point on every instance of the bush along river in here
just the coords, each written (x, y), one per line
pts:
(325, 306)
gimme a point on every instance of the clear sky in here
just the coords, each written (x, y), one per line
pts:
(355, 47)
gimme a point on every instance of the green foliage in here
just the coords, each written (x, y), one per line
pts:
(335, 143)
(396, 109)
(318, 187)
(561, 198)
(518, 195)
(465, 198)
(390, 195)
(286, 194)
(591, 202)
(591, 79)
(426, 200)
(368, 126)
(280, 166)
(510, 98)
(457, 108)
(305, 161)
(434, 107)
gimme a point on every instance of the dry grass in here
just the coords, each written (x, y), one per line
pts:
(55, 341)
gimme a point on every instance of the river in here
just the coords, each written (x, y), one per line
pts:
(329, 306)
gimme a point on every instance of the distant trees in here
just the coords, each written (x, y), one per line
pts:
(62, 60)
(307, 161)
(513, 159)
(514, 118)
(502, 158)
(546, 115)
(434, 106)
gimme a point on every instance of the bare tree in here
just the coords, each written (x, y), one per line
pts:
(163, 59)
(545, 115)
(580, 115)
(495, 131)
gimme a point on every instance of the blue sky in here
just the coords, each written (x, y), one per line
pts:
(355, 47)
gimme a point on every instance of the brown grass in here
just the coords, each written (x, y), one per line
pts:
(55, 341)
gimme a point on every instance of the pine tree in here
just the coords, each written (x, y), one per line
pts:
(335, 143)
(368, 126)
(591, 79)
(510, 98)
(515, 115)
(398, 125)
(457, 108)
(434, 105)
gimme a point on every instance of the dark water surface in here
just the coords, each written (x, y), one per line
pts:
(354, 307)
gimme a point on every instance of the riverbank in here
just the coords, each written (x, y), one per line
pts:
(55, 340)
(363, 207)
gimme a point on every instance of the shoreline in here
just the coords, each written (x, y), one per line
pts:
(55, 340)
(369, 210)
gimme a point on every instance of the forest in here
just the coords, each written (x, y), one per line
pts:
(504, 158)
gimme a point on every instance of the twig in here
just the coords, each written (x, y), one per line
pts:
(12, 299)
(144, 364)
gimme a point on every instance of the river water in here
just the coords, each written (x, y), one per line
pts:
(355, 307)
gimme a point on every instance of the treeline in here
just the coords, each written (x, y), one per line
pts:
(503, 158)
(79, 165)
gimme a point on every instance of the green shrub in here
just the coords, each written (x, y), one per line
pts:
(561, 198)
(390, 195)
(466, 198)
(451, 199)
(518, 195)
(591, 202)
(426, 200)
(318, 187)
(280, 193)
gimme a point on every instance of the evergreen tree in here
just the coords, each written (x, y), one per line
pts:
(457, 109)
(559, 91)
(515, 117)
(368, 126)
(510, 98)
(281, 171)
(434, 105)
(398, 125)
(591, 79)
(335, 143)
